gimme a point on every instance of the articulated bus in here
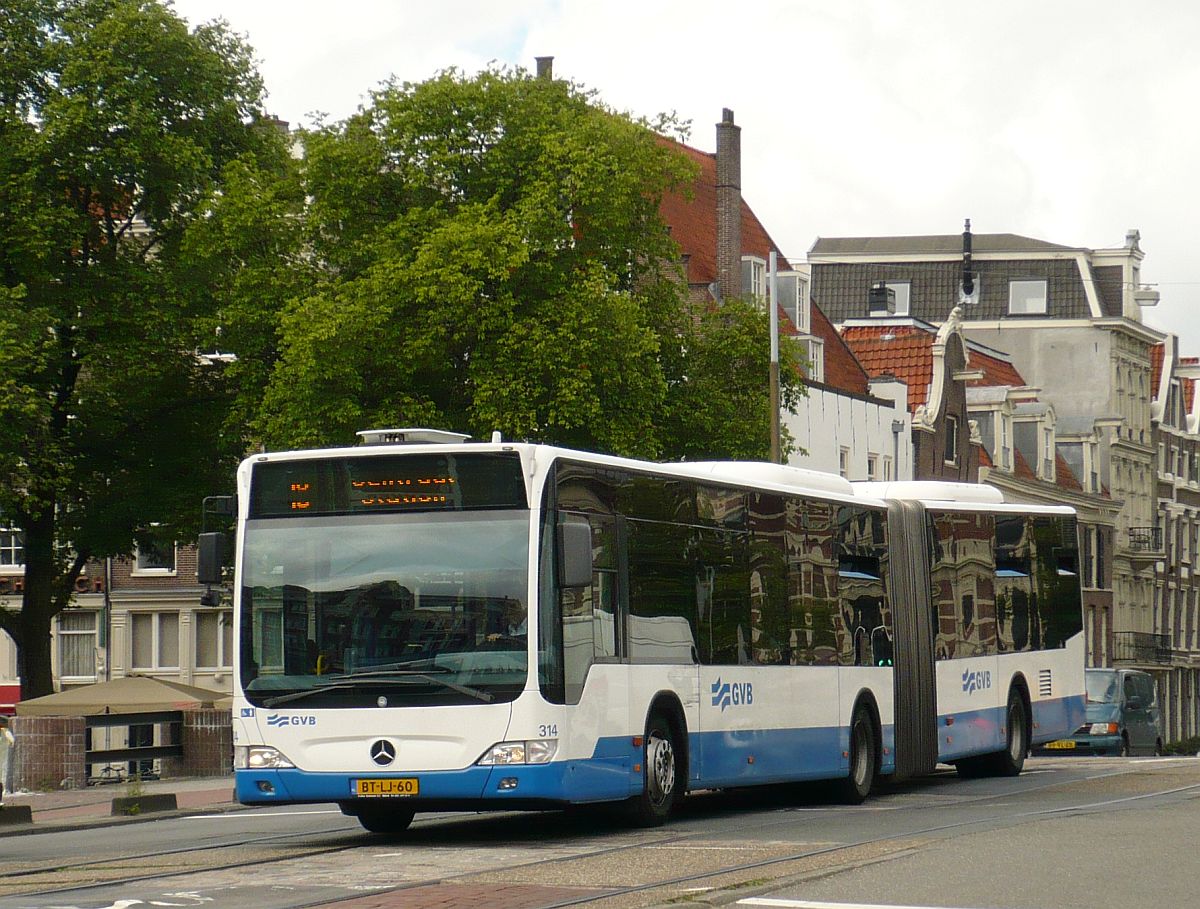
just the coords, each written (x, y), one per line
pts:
(426, 623)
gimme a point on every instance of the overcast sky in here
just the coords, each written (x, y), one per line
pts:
(1065, 121)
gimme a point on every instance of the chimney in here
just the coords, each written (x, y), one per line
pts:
(729, 207)
(545, 67)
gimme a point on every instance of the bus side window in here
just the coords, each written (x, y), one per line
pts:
(589, 613)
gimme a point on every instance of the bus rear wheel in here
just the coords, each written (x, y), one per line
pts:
(864, 758)
(662, 770)
(390, 821)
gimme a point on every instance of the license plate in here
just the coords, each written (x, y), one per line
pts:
(390, 788)
(1063, 744)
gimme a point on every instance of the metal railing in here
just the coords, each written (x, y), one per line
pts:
(1141, 647)
(1145, 539)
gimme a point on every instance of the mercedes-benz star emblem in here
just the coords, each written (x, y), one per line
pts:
(383, 752)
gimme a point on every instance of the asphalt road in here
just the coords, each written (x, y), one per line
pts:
(1069, 832)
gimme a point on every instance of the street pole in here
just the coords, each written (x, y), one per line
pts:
(773, 305)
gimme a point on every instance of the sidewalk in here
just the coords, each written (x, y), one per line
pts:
(93, 805)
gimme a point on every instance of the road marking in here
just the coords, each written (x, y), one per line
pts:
(810, 904)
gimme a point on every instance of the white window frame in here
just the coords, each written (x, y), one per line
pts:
(756, 286)
(844, 462)
(872, 466)
(814, 352)
(139, 570)
(887, 469)
(156, 639)
(12, 543)
(70, 634)
(1023, 299)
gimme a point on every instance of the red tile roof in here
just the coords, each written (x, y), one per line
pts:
(843, 370)
(694, 221)
(1157, 354)
(906, 352)
(903, 351)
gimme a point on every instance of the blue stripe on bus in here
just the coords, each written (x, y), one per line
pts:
(983, 731)
(718, 759)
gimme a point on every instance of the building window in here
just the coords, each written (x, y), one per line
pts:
(12, 546)
(872, 466)
(214, 639)
(153, 558)
(950, 455)
(1048, 454)
(754, 278)
(813, 351)
(1027, 298)
(793, 298)
(155, 640)
(844, 462)
(77, 644)
(887, 469)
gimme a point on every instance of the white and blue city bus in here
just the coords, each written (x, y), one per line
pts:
(427, 624)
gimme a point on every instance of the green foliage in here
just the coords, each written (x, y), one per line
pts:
(491, 256)
(117, 126)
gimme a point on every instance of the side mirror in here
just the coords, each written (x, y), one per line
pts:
(210, 558)
(574, 551)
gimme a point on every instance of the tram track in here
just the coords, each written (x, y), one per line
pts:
(437, 832)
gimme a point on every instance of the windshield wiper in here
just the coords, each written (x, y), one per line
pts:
(375, 674)
(379, 677)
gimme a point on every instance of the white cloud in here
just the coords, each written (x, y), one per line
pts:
(1067, 121)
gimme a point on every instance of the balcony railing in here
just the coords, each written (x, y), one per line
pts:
(1140, 647)
(1145, 539)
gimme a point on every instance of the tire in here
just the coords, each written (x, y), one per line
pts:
(392, 820)
(864, 758)
(662, 773)
(1011, 760)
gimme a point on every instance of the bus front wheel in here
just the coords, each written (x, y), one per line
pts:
(390, 821)
(661, 772)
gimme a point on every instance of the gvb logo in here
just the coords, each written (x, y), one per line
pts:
(732, 694)
(976, 680)
(281, 719)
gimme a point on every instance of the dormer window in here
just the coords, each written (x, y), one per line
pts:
(793, 299)
(813, 351)
(754, 278)
(1027, 297)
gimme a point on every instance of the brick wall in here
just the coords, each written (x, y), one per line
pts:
(49, 753)
(207, 745)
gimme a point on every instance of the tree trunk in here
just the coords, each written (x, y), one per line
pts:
(38, 608)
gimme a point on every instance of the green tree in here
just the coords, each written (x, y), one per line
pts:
(116, 124)
(492, 257)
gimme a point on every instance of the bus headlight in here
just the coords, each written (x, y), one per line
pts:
(537, 751)
(259, 757)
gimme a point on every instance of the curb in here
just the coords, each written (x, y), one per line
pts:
(127, 805)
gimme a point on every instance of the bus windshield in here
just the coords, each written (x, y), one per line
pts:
(385, 609)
